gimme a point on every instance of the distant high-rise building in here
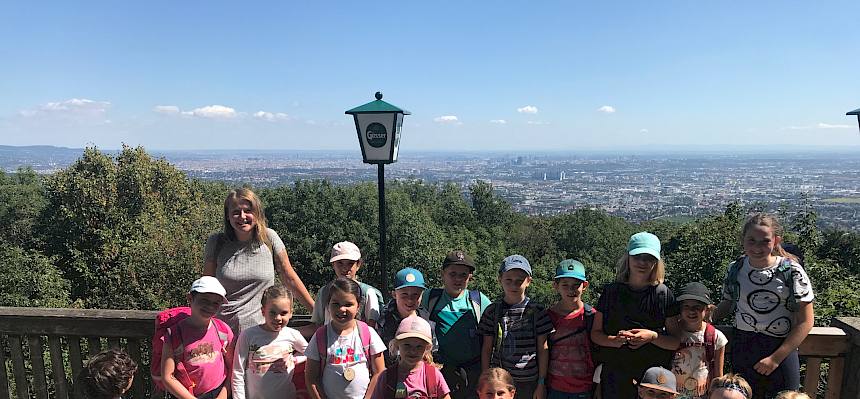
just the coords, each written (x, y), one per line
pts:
(561, 176)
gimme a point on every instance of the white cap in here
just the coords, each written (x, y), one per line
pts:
(209, 285)
(345, 250)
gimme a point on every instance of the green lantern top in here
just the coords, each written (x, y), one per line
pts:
(376, 106)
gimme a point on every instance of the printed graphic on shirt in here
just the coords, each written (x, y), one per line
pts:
(273, 358)
(343, 353)
(204, 353)
(762, 303)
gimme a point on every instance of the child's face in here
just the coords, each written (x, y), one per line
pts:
(205, 304)
(343, 307)
(495, 390)
(642, 264)
(570, 289)
(693, 312)
(408, 299)
(651, 393)
(277, 313)
(759, 242)
(514, 282)
(346, 268)
(412, 350)
(455, 279)
(723, 393)
(241, 217)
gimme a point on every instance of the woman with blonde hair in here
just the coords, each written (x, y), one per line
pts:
(244, 258)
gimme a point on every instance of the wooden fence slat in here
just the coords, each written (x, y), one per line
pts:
(834, 378)
(113, 343)
(813, 373)
(94, 345)
(4, 384)
(57, 367)
(17, 355)
(138, 387)
(37, 361)
(75, 360)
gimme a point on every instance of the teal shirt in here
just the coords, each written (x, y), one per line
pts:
(456, 327)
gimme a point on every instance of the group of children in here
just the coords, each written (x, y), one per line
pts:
(452, 342)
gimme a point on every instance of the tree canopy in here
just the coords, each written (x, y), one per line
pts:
(127, 232)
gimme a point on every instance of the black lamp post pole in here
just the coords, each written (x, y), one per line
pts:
(381, 185)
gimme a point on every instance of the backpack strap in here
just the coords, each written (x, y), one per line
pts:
(475, 299)
(364, 336)
(588, 315)
(430, 380)
(433, 300)
(322, 340)
(390, 382)
(223, 333)
(785, 268)
(731, 282)
(710, 347)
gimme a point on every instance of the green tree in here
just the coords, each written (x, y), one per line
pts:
(30, 279)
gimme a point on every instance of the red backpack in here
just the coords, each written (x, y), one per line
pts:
(710, 347)
(165, 328)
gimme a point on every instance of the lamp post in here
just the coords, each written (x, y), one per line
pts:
(855, 112)
(378, 125)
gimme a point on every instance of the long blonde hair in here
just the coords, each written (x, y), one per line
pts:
(767, 220)
(259, 235)
(622, 274)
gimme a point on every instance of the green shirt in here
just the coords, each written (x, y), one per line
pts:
(456, 327)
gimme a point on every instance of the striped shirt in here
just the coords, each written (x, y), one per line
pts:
(520, 326)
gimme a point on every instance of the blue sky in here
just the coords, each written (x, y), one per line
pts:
(560, 75)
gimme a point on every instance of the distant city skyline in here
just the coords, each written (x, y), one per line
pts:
(477, 76)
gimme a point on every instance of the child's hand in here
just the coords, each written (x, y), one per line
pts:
(701, 387)
(621, 338)
(766, 366)
(640, 336)
(540, 392)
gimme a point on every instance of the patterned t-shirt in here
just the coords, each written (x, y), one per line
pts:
(763, 293)
(263, 363)
(520, 324)
(345, 352)
(690, 365)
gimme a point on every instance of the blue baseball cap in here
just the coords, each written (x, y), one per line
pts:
(409, 277)
(516, 262)
(644, 243)
(570, 268)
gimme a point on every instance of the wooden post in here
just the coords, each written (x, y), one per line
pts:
(851, 368)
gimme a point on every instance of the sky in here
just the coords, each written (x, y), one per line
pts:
(476, 75)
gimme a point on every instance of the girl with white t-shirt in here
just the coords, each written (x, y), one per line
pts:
(266, 355)
(345, 355)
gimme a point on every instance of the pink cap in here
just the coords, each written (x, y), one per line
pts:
(414, 326)
(345, 250)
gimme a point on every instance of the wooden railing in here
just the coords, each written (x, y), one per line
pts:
(41, 350)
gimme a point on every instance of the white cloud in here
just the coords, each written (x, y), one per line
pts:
(166, 109)
(447, 119)
(819, 125)
(214, 112)
(829, 126)
(528, 109)
(498, 121)
(606, 109)
(72, 108)
(271, 116)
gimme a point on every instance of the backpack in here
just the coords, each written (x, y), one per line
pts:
(528, 311)
(429, 382)
(322, 341)
(733, 287)
(710, 347)
(474, 299)
(166, 327)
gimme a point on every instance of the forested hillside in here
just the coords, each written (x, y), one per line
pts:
(127, 232)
